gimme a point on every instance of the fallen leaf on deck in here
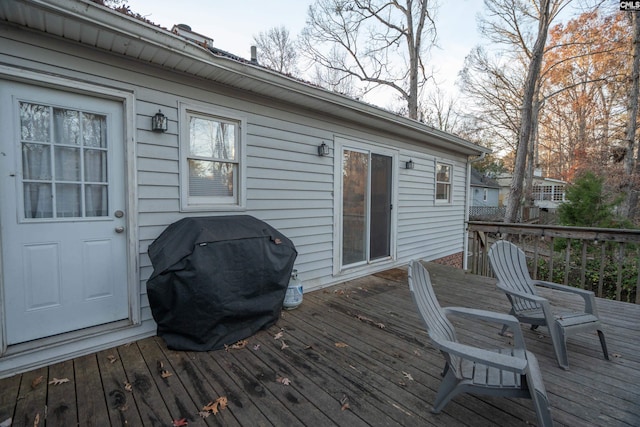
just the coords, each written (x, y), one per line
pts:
(407, 375)
(180, 422)
(58, 381)
(163, 372)
(417, 352)
(237, 346)
(216, 406)
(380, 325)
(36, 381)
(278, 335)
(36, 421)
(256, 347)
(204, 414)
(284, 345)
(283, 380)
(341, 345)
(112, 358)
(344, 402)
(128, 386)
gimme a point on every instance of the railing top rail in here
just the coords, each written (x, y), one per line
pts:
(583, 233)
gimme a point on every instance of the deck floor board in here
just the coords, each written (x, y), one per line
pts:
(356, 354)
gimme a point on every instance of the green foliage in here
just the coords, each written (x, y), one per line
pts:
(610, 264)
(586, 205)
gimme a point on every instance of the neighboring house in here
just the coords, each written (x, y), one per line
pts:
(484, 205)
(87, 184)
(548, 193)
(484, 190)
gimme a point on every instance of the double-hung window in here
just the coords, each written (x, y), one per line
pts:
(443, 182)
(211, 148)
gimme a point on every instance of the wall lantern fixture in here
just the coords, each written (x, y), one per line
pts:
(410, 164)
(159, 122)
(323, 149)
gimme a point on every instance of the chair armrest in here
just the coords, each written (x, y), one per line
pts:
(486, 357)
(526, 296)
(588, 296)
(491, 316)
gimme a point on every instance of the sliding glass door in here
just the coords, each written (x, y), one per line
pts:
(366, 206)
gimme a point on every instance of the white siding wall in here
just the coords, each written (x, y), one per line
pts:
(288, 185)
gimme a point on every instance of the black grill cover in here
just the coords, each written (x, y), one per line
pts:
(217, 280)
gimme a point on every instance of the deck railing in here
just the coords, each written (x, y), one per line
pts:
(604, 260)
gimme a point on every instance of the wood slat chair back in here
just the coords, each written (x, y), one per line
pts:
(509, 372)
(509, 264)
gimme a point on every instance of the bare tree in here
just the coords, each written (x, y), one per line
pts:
(493, 83)
(526, 119)
(276, 50)
(439, 111)
(383, 42)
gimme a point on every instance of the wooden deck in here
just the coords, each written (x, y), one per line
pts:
(355, 355)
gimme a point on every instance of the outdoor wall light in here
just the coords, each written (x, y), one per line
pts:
(323, 149)
(410, 164)
(159, 122)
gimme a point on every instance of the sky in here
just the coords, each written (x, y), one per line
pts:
(232, 25)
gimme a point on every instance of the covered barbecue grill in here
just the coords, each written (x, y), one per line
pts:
(217, 280)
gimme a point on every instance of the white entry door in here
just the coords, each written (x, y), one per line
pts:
(62, 212)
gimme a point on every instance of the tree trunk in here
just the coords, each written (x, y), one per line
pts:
(631, 172)
(532, 163)
(515, 193)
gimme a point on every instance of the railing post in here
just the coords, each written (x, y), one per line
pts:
(620, 268)
(583, 270)
(603, 254)
(567, 262)
(551, 247)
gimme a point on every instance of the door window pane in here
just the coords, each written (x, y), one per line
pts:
(67, 164)
(354, 206)
(34, 122)
(96, 200)
(68, 201)
(66, 126)
(36, 161)
(95, 165)
(94, 130)
(380, 228)
(38, 200)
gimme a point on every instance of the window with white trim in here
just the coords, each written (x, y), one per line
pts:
(211, 173)
(443, 182)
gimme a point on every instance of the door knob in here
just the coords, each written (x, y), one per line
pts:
(119, 229)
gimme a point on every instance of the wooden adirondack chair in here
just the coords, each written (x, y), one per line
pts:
(509, 372)
(509, 264)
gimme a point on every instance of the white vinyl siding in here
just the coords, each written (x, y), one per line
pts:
(282, 180)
